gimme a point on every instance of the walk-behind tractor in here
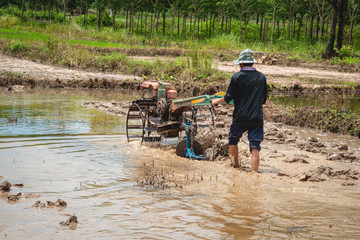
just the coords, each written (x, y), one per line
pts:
(159, 114)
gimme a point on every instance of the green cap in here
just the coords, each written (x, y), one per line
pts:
(246, 56)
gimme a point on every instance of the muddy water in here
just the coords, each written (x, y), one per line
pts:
(63, 150)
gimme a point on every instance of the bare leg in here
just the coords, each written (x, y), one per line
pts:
(255, 160)
(234, 152)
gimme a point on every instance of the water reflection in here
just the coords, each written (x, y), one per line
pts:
(57, 112)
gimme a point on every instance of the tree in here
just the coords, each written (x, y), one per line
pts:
(100, 7)
(196, 7)
(353, 12)
(240, 8)
(115, 6)
(64, 4)
(174, 10)
(323, 9)
(84, 9)
(275, 4)
(337, 15)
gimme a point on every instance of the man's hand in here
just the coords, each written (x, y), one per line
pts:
(215, 102)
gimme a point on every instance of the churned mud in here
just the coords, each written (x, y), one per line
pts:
(309, 150)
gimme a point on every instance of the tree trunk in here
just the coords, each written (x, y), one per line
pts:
(351, 27)
(85, 19)
(206, 25)
(273, 26)
(178, 24)
(141, 22)
(226, 24)
(157, 22)
(49, 12)
(138, 21)
(22, 11)
(330, 46)
(306, 28)
(266, 27)
(164, 23)
(113, 18)
(132, 20)
(214, 19)
(222, 24)
(99, 26)
(184, 25)
(311, 27)
(240, 21)
(210, 25)
(198, 26)
(194, 30)
(288, 35)
(145, 27)
(300, 24)
(127, 19)
(284, 27)
(340, 35)
(153, 24)
(317, 28)
(261, 26)
(230, 25)
(246, 24)
(173, 24)
(294, 27)
(190, 24)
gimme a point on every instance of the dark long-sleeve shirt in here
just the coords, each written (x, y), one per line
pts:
(249, 91)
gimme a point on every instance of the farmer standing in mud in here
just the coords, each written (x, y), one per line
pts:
(248, 90)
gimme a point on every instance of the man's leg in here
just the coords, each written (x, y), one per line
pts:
(255, 136)
(234, 152)
(234, 137)
(255, 159)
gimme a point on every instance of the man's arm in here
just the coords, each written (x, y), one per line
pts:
(217, 101)
(265, 93)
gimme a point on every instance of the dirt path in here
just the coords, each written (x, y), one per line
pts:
(281, 75)
(41, 71)
(284, 75)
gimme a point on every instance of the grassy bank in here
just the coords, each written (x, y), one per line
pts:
(331, 120)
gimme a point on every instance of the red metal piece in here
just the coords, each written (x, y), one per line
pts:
(154, 84)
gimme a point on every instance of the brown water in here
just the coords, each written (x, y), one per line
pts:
(99, 175)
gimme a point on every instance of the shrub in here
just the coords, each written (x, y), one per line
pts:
(345, 51)
(8, 21)
(17, 46)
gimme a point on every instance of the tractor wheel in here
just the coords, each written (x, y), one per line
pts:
(181, 147)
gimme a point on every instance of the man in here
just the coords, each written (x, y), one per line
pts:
(249, 91)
